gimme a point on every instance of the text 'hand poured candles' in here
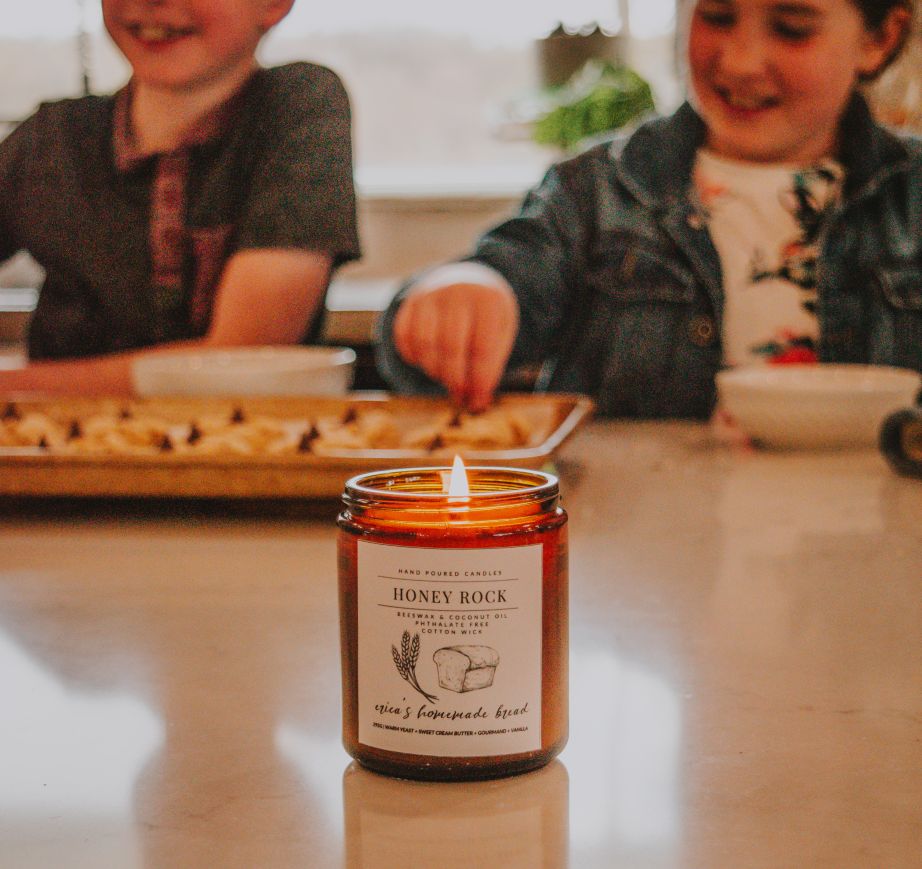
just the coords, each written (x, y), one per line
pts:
(453, 614)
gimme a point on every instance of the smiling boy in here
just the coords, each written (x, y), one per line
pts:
(204, 204)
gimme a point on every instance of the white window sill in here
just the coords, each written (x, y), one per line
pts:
(447, 184)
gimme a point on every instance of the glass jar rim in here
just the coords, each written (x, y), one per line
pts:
(544, 485)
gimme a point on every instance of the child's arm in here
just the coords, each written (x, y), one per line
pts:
(462, 332)
(265, 297)
(268, 296)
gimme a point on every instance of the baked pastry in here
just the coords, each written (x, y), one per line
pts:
(112, 429)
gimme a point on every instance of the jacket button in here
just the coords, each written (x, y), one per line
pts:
(702, 330)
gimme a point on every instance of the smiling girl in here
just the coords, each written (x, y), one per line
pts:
(770, 218)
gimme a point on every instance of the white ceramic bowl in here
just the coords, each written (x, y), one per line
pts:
(286, 370)
(815, 406)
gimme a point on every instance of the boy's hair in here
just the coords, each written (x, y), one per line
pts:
(874, 13)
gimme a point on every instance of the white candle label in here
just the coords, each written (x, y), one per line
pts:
(449, 649)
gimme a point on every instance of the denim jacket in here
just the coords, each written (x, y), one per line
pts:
(619, 283)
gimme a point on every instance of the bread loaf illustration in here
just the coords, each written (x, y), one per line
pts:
(466, 668)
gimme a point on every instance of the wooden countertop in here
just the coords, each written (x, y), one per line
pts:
(745, 679)
(353, 305)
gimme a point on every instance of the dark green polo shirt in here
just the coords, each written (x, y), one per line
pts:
(279, 177)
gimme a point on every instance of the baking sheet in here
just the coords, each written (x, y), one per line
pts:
(27, 471)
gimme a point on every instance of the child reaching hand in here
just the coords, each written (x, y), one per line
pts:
(769, 217)
(204, 204)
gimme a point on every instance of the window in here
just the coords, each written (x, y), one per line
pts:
(431, 83)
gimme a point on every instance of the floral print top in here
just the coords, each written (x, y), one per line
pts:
(766, 222)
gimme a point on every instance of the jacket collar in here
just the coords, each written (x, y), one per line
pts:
(869, 152)
(657, 162)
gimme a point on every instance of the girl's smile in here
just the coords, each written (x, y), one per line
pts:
(743, 101)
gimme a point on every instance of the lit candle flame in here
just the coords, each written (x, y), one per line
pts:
(458, 486)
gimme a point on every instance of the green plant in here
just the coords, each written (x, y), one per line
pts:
(598, 98)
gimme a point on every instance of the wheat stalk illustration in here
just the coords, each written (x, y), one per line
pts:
(405, 660)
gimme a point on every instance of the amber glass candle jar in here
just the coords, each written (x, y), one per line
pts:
(453, 614)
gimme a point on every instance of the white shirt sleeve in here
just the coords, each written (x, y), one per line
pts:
(462, 273)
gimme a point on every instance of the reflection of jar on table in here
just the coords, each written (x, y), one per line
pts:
(517, 823)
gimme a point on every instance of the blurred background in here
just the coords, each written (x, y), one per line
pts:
(445, 99)
(433, 85)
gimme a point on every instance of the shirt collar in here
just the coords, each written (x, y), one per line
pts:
(209, 128)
